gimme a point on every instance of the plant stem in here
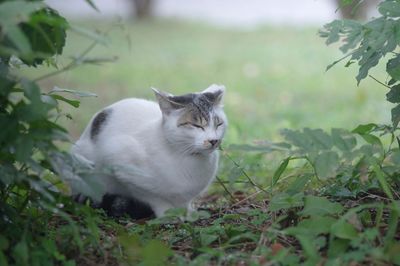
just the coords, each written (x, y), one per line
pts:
(380, 82)
(243, 171)
(225, 188)
(74, 63)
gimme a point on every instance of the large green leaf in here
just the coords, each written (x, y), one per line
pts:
(46, 31)
(298, 184)
(365, 128)
(393, 67)
(390, 8)
(285, 201)
(155, 247)
(319, 206)
(326, 164)
(280, 170)
(344, 230)
(395, 115)
(320, 139)
(73, 92)
(73, 103)
(343, 139)
(297, 138)
(19, 39)
(312, 226)
(393, 95)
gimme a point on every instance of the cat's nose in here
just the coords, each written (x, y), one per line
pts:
(213, 142)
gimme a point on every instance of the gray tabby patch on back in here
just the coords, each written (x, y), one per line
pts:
(99, 122)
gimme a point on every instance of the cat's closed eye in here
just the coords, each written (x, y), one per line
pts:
(197, 126)
(219, 124)
(191, 125)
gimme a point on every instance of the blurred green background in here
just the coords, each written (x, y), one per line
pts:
(275, 75)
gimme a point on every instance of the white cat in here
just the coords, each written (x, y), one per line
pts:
(172, 145)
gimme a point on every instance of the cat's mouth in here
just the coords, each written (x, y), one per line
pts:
(210, 149)
(204, 151)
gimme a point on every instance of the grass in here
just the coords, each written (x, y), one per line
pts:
(275, 78)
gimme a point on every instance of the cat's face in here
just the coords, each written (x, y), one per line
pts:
(195, 123)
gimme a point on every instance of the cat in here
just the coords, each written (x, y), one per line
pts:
(171, 145)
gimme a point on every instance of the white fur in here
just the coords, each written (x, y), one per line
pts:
(172, 164)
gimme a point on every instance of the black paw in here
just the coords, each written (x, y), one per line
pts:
(117, 206)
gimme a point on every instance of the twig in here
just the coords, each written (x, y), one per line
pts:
(243, 171)
(225, 188)
(74, 63)
(245, 199)
(380, 82)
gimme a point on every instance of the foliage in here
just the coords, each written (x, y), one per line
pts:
(333, 199)
(368, 43)
(37, 227)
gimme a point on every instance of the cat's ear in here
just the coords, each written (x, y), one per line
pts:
(215, 94)
(167, 102)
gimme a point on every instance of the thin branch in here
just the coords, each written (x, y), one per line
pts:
(74, 63)
(380, 82)
(225, 188)
(243, 171)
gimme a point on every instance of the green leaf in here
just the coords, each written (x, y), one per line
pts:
(297, 138)
(312, 226)
(368, 62)
(74, 92)
(366, 128)
(23, 148)
(3, 259)
(326, 164)
(298, 184)
(3, 243)
(337, 247)
(343, 139)
(46, 31)
(393, 67)
(393, 95)
(309, 249)
(393, 252)
(155, 253)
(21, 253)
(320, 206)
(395, 115)
(91, 3)
(344, 230)
(280, 170)
(247, 236)
(392, 226)
(390, 8)
(371, 139)
(18, 38)
(285, 201)
(206, 239)
(197, 215)
(380, 175)
(331, 31)
(95, 60)
(73, 103)
(319, 138)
